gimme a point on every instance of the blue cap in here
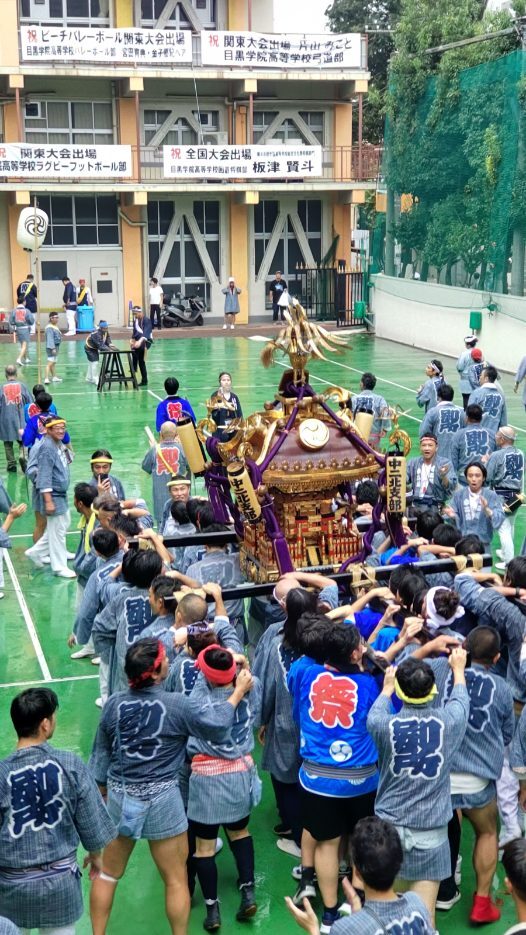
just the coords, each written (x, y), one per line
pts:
(103, 324)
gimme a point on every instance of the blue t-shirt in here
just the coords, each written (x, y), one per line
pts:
(365, 620)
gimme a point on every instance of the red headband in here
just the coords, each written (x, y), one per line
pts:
(147, 674)
(217, 676)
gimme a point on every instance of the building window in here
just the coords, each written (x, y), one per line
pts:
(69, 122)
(151, 10)
(265, 215)
(310, 213)
(81, 220)
(184, 270)
(68, 12)
(180, 132)
(314, 120)
(288, 131)
(262, 121)
(287, 256)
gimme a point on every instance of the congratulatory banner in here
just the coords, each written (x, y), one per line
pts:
(242, 162)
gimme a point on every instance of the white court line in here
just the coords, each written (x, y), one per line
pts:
(151, 392)
(67, 678)
(321, 380)
(29, 620)
(400, 386)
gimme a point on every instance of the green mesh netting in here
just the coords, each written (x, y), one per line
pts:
(460, 154)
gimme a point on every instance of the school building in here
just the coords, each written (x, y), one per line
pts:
(189, 84)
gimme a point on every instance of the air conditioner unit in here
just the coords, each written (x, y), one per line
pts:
(39, 9)
(216, 139)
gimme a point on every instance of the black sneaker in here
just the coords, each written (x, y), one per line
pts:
(306, 890)
(446, 901)
(297, 871)
(282, 831)
(327, 921)
(248, 906)
(213, 917)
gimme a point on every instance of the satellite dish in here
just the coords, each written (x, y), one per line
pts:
(31, 221)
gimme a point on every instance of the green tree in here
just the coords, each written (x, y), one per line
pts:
(452, 135)
(378, 17)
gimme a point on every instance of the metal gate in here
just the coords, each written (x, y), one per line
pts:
(330, 293)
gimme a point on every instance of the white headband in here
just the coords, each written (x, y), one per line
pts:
(434, 620)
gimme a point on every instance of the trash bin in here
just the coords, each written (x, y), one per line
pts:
(85, 318)
(475, 320)
(359, 311)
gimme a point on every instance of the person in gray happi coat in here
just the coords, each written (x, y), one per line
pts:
(14, 395)
(138, 752)
(126, 614)
(505, 469)
(464, 363)
(49, 804)
(224, 784)
(471, 443)
(444, 420)
(416, 748)
(426, 395)
(164, 461)
(279, 732)
(21, 320)
(431, 478)
(491, 400)
(369, 401)
(476, 510)
(519, 377)
(50, 473)
(478, 763)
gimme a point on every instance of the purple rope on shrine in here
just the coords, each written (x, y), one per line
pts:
(272, 527)
(290, 422)
(357, 439)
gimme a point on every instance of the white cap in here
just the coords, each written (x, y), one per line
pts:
(231, 279)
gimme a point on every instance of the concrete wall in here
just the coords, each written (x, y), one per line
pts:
(80, 262)
(436, 318)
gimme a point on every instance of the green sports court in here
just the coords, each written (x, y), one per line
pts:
(38, 610)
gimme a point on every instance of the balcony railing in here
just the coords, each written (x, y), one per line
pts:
(340, 164)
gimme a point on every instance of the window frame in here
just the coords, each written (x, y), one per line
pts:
(178, 21)
(46, 202)
(65, 19)
(43, 133)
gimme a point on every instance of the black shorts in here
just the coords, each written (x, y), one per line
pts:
(326, 817)
(209, 832)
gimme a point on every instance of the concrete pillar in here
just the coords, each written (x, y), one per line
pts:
(9, 35)
(123, 13)
(239, 259)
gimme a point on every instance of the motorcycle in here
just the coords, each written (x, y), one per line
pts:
(183, 310)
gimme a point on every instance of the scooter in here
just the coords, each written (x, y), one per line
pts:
(183, 310)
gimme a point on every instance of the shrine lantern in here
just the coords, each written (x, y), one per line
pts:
(32, 228)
